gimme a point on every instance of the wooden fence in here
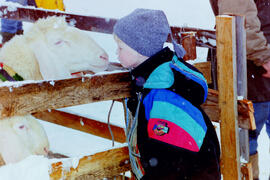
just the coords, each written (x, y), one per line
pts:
(221, 106)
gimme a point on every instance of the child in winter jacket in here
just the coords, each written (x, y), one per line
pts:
(169, 135)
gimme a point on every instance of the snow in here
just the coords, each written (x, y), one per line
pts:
(16, 84)
(31, 168)
(77, 144)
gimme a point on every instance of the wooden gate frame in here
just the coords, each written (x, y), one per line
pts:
(232, 113)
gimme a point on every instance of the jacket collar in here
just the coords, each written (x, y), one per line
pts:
(141, 73)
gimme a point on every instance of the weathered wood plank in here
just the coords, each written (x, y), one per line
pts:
(82, 124)
(41, 96)
(241, 62)
(246, 114)
(245, 110)
(189, 44)
(246, 170)
(100, 129)
(226, 59)
(241, 56)
(36, 97)
(98, 166)
(205, 68)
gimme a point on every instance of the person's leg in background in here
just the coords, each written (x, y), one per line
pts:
(9, 28)
(261, 114)
(267, 124)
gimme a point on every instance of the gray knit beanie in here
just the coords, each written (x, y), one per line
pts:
(146, 31)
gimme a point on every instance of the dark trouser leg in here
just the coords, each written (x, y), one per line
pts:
(261, 114)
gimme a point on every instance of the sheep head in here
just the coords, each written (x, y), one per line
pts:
(21, 136)
(61, 49)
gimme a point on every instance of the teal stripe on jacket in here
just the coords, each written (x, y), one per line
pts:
(179, 117)
(179, 101)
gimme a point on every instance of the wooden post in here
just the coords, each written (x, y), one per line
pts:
(241, 56)
(242, 91)
(226, 63)
(241, 62)
(189, 44)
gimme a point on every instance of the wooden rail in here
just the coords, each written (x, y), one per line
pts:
(87, 125)
(222, 107)
(101, 165)
(43, 95)
(96, 24)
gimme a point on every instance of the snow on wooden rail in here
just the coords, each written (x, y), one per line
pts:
(43, 95)
(101, 165)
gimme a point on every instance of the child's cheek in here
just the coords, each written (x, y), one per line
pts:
(122, 61)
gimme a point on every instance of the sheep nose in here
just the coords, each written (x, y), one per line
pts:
(104, 57)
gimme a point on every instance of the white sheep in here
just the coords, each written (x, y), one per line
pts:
(59, 49)
(51, 49)
(21, 136)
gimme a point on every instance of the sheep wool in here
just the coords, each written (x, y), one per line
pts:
(62, 50)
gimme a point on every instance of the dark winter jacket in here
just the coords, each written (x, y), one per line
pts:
(257, 14)
(176, 139)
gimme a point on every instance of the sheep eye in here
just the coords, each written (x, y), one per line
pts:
(61, 42)
(22, 127)
(58, 42)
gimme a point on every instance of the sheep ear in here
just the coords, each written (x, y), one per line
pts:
(50, 65)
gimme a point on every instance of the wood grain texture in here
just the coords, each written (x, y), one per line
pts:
(241, 63)
(246, 170)
(41, 96)
(241, 56)
(87, 125)
(36, 97)
(189, 44)
(205, 68)
(98, 166)
(226, 61)
(245, 110)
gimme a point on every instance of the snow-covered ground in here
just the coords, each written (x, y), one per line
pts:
(193, 13)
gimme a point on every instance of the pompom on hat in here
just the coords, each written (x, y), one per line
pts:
(146, 31)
